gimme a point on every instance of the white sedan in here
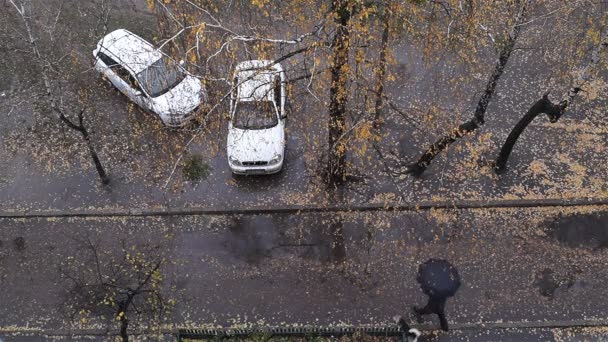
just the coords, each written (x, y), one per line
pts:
(256, 132)
(148, 77)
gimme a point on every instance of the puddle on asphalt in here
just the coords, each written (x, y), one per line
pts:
(580, 231)
(256, 238)
(546, 283)
(251, 239)
(552, 284)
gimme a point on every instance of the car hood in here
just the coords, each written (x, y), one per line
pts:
(256, 145)
(180, 100)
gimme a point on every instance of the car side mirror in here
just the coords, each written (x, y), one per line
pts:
(286, 110)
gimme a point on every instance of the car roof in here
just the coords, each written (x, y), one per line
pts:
(131, 50)
(256, 79)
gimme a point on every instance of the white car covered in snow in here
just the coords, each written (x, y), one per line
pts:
(148, 77)
(256, 132)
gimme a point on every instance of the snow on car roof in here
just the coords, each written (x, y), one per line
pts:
(256, 80)
(132, 50)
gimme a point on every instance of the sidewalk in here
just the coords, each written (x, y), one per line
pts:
(520, 267)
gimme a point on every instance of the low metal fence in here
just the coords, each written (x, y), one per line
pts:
(388, 331)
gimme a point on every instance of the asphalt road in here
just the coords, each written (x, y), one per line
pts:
(47, 167)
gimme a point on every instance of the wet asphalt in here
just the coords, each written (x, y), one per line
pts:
(544, 266)
(275, 270)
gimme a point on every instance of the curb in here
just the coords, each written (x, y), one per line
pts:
(296, 209)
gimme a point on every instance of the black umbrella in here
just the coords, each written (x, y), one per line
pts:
(438, 278)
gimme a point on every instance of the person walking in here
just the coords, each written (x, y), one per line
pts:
(439, 280)
(435, 305)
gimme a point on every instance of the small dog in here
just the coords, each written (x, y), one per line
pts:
(411, 332)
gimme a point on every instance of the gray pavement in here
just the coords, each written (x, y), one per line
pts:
(529, 272)
(533, 267)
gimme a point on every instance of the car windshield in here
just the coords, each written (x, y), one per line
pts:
(255, 115)
(160, 77)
